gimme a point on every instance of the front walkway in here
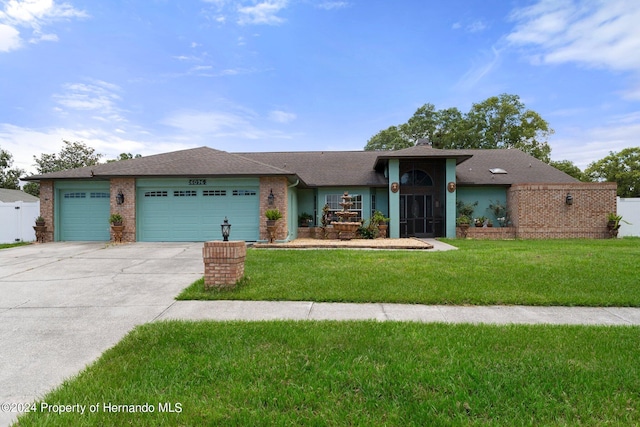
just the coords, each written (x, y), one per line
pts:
(407, 244)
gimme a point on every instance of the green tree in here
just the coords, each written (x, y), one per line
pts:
(568, 167)
(32, 188)
(497, 122)
(9, 178)
(124, 156)
(73, 155)
(388, 139)
(622, 167)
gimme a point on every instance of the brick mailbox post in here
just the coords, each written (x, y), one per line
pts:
(223, 264)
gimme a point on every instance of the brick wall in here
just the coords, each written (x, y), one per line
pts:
(539, 211)
(279, 186)
(489, 233)
(128, 209)
(46, 208)
(223, 263)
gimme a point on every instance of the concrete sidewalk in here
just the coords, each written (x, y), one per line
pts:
(302, 310)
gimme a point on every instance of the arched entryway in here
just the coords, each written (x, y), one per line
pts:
(421, 207)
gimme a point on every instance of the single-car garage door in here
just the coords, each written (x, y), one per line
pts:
(83, 213)
(193, 213)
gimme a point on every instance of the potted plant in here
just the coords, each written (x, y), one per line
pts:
(273, 215)
(465, 209)
(379, 220)
(613, 223)
(479, 222)
(40, 221)
(305, 219)
(115, 219)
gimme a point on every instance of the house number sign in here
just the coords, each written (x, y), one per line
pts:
(197, 182)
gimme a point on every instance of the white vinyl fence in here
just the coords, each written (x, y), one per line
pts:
(17, 220)
(629, 208)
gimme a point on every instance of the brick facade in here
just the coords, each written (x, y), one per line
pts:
(279, 187)
(223, 263)
(540, 211)
(128, 209)
(46, 208)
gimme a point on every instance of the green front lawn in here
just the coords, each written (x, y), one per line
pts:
(529, 272)
(357, 373)
(13, 245)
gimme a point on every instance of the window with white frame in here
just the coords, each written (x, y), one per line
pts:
(334, 200)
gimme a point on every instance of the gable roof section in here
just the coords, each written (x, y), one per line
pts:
(420, 151)
(202, 161)
(327, 168)
(520, 167)
(10, 196)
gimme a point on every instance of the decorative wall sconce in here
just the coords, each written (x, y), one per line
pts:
(569, 199)
(120, 198)
(271, 198)
(226, 229)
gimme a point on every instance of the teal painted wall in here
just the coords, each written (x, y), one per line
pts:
(306, 202)
(484, 196)
(293, 212)
(450, 198)
(394, 199)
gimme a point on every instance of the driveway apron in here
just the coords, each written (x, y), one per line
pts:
(63, 304)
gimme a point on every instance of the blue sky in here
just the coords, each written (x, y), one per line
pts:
(151, 76)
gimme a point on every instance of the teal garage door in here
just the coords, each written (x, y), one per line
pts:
(188, 214)
(84, 214)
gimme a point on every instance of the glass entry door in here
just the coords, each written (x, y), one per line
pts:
(416, 215)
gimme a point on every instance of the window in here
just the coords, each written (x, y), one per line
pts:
(244, 192)
(497, 171)
(155, 194)
(334, 200)
(214, 192)
(373, 204)
(416, 178)
(187, 193)
(75, 195)
(99, 195)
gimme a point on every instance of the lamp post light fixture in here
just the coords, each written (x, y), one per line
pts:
(569, 199)
(120, 198)
(271, 198)
(226, 229)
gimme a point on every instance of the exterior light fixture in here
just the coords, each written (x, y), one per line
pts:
(271, 198)
(120, 198)
(226, 229)
(569, 199)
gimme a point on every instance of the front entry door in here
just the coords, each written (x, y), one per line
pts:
(416, 215)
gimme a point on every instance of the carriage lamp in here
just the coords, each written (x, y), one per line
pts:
(226, 229)
(569, 199)
(120, 198)
(271, 198)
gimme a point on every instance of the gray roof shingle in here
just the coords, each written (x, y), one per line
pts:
(202, 161)
(323, 168)
(10, 196)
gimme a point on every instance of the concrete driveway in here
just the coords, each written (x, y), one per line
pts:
(63, 304)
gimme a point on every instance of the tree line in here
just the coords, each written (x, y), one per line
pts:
(72, 155)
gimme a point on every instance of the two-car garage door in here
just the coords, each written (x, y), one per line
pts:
(166, 210)
(194, 212)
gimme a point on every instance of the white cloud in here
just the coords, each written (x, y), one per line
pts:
(262, 13)
(602, 34)
(33, 14)
(9, 38)
(330, 5)
(98, 97)
(281, 116)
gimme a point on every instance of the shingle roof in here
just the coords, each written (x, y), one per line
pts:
(421, 151)
(10, 196)
(323, 168)
(327, 168)
(520, 166)
(202, 161)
